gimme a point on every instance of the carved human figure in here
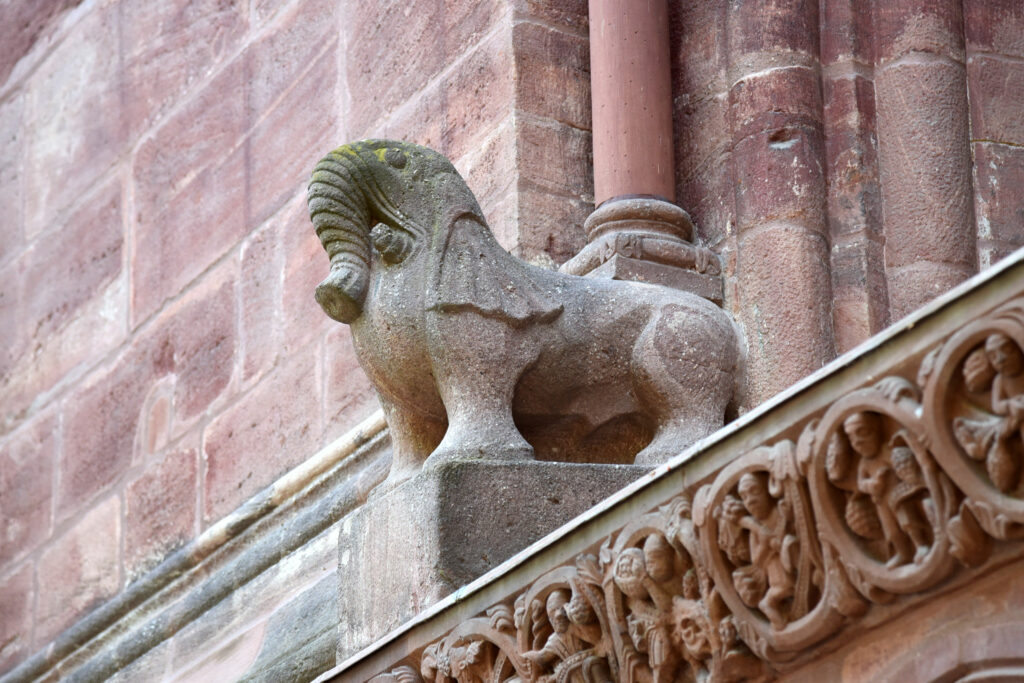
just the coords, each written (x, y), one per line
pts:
(641, 575)
(997, 441)
(910, 500)
(876, 479)
(770, 578)
(562, 643)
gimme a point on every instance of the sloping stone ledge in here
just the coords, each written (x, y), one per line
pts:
(265, 529)
(892, 475)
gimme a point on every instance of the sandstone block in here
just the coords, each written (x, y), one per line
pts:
(79, 570)
(996, 94)
(904, 26)
(187, 176)
(193, 342)
(776, 98)
(26, 482)
(552, 74)
(570, 15)
(16, 596)
(433, 37)
(782, 272)
(550, 224)
(77, 120)
(1000, 213)
(698, 38)
(555, 157)
(260, 289)
(914, 285)
(12, 141)
(169, 46)
(860, 296)
(779, 26)
(925, 164)
(854, 195)
(490, 168)
(781, 177)
(160, 510)
(995, 26)
(279, 420)
(24, 23)
(419, 542)
(845, 32)
(66, 310)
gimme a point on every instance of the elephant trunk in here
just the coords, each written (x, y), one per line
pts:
(341, 215)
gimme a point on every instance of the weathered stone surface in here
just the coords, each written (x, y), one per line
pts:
(415, 544)
(25, 24)
(433, 37)
(552, 75)
(12, 136)
(79, 570)
(165, 47)
(159, 510)
(781, 269)
(192, 342)
(1000, 214)
(78, 121)
(17, 593)
(69, 310)
(995, 26)
(27, 461)
(902, 27)
(273, 413)
(301, 637)
(996, 93)
(461, 339)
(924, 172)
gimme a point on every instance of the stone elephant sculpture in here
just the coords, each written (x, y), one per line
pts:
(478, 355)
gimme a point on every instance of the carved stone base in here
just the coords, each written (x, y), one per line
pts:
(647, 240)
(412, 546)
(620, 267)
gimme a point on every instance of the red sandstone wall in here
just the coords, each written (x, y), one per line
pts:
(161, 357)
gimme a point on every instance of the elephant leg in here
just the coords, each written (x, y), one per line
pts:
(477, 384)
(480, 427)
(412, 437)
(683, 365)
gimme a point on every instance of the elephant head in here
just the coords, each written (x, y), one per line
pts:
(409, 202)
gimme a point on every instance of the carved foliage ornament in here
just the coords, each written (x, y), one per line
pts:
(885, 494)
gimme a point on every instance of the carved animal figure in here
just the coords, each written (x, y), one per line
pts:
(470, 348)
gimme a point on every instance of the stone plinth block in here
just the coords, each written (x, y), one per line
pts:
(408, 548)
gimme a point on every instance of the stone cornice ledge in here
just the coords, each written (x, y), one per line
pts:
(276, 521)
(890, 475)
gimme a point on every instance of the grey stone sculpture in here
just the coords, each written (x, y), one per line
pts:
(478, 355)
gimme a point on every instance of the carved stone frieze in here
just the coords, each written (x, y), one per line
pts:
(887, 493)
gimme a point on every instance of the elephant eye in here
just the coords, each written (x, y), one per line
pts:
(395, 157)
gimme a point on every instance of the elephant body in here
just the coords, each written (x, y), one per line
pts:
(476, 354)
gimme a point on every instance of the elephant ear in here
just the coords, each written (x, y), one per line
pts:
(475, 274)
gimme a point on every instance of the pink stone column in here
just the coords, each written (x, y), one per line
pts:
(631, 90)
(783, 277)
(637, 232)
(924, 156)
(860, 305)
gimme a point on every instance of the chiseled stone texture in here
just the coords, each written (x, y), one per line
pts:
(412, 546)
(974, 627)
(79, 570)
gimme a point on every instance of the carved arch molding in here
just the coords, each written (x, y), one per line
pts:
(889, 492)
